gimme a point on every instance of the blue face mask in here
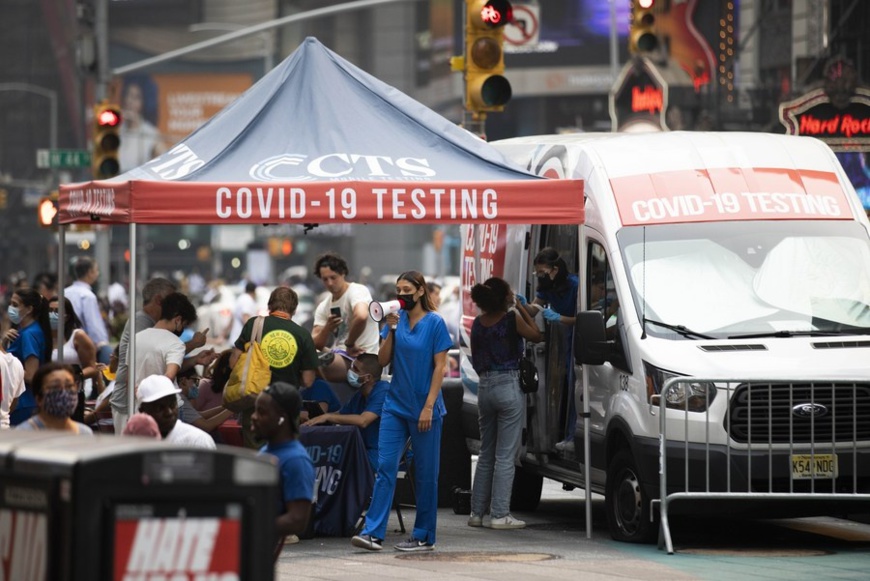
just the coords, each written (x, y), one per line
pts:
(193, 392)
(14, 315)
(353, 379)
(52, 320)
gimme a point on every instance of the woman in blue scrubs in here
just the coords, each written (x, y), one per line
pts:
(415, 344)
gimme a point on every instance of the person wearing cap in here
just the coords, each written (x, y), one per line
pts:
(276, 420)
(141, 424)
(158, 397)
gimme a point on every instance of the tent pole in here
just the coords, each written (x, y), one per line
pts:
(131, 318)
(61, 284)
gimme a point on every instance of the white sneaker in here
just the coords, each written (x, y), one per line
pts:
(507, 522)
(565, 445)
(475, 520)
(486, 522)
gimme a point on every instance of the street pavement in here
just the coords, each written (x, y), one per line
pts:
(554, 546)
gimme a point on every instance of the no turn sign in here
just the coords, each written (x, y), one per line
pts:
(526, 26)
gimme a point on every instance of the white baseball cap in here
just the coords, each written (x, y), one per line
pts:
(155, 387)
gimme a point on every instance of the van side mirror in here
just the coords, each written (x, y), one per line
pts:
(590, 341)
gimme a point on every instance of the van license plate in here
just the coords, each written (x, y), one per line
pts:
(813, 466)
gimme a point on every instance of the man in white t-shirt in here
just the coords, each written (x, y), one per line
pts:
(159, 350)
(158, 398)
(342, 320)
(245, 308)
(11, 385)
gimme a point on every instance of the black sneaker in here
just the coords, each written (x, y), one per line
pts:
(413, 544)
(367, 542)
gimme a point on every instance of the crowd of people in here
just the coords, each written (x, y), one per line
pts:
(176, 381)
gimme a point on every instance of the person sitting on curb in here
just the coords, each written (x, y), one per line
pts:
(363, 410)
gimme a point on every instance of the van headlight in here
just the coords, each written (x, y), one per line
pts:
(694, 396)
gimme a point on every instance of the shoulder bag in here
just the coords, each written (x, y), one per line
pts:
(528, 371)
(251, 374)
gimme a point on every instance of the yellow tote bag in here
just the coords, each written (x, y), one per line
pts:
(250, 376)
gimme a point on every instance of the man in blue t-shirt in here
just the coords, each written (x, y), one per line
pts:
(364, 408)
(276, 420)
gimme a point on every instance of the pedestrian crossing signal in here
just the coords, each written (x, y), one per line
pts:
(46, 211)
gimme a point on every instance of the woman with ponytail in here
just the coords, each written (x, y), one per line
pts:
(556, 296)
(497, 344)
(29, 340)
(415, 344)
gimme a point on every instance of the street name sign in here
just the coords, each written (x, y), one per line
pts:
(62, 158)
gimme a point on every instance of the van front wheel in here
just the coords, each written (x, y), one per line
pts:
(626, 502)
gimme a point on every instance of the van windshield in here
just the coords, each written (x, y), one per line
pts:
(731, 279)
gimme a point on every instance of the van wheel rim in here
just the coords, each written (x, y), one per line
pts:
(628, 506)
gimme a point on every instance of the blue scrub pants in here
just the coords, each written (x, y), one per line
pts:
(394, 432)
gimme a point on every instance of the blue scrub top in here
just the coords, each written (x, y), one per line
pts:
(374, 403)
(30, 343)
(320, 391)
(565, 301)
(414, 363)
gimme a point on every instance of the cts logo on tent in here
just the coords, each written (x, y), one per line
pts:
(286, 167)
(280, 167)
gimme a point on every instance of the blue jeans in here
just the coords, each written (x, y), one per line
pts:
(500, 407)
(394, 432)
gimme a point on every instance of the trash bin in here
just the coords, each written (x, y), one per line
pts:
(119, 508)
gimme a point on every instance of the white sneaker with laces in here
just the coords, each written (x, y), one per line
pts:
(507, 522)
(475, 520)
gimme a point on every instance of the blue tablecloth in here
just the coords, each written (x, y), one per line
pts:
(343, 477)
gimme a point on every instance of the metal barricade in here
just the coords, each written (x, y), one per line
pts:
(727, 440)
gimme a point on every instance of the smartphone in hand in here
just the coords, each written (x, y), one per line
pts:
(335, 312)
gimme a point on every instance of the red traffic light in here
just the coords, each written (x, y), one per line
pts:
(108, 118)
(497, 13)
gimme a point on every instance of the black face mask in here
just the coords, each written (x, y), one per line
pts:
(545, 282)
(408, 301)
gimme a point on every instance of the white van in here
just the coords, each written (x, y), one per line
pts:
(723, 255)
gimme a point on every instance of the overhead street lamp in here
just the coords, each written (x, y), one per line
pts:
(253, 29)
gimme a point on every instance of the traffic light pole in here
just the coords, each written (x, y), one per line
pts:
(103, 234)
(475, 122)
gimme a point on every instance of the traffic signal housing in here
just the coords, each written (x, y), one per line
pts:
(105, 161)
(46, 211)
(642, 37)
(486, 88)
